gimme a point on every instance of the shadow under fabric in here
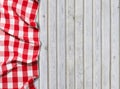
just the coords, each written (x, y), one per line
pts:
(19, 44)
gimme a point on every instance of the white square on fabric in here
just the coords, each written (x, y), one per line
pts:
(10, 85)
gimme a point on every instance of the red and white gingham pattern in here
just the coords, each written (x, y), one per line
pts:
(19, 44)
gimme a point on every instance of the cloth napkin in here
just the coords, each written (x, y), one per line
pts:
(19, 44)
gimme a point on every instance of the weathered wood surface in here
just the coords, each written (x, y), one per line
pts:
(80, 44)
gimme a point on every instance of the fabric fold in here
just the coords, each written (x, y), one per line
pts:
(19, 44)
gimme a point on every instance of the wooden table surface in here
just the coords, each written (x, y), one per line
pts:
(80, 44)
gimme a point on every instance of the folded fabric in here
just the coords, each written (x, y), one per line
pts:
(19, 44)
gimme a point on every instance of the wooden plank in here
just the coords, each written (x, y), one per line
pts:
(61, 44)
(70, 44)
(43, 61)
(115, 44)
(79, 72)
(97, 44)
(106, 44)
(52, 26)
(88, 44)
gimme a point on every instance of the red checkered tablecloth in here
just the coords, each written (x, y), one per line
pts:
(19, 44)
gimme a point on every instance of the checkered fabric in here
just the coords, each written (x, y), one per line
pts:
(19, 44)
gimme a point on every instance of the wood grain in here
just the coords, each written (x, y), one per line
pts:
(80, 44)
(97, 44)
(88, 41)
(70, 45)
(61, 66)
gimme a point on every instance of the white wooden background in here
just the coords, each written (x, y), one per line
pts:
(80, 44)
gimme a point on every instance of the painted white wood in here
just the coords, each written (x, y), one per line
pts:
(61, 44)
(70, 55)
(52, 56)
(79, 72)
(80, 44)
(97, 44)
(43, 61)
(115, 44)
(88, 56)
(106, 44)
